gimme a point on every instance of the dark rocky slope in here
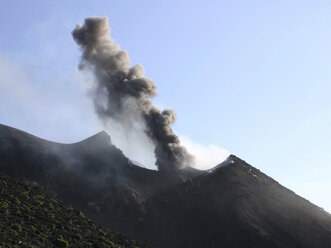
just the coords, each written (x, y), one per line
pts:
(92, 175)
(29, 218)
(234, 205)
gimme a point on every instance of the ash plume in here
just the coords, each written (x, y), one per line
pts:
(122, 93)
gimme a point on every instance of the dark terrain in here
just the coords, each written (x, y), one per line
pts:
(29, 218)
(233, 205)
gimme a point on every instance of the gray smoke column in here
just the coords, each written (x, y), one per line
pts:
(121, 88)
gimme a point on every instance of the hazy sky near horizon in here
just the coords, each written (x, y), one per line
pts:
(252, 77)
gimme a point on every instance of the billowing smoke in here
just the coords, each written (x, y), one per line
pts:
(123, 94)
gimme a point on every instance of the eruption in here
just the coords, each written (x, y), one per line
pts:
(123, 94)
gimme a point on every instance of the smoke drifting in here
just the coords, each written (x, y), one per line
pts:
(123, 94)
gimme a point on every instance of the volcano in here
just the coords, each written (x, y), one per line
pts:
(231, 205)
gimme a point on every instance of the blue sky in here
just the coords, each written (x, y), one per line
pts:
(252, 77)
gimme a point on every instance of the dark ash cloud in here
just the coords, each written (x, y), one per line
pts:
(122, 92)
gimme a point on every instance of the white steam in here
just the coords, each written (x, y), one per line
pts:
(206, 156)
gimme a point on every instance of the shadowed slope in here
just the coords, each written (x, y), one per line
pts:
(92, 175)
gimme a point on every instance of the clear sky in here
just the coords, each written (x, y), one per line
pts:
(252, 77)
